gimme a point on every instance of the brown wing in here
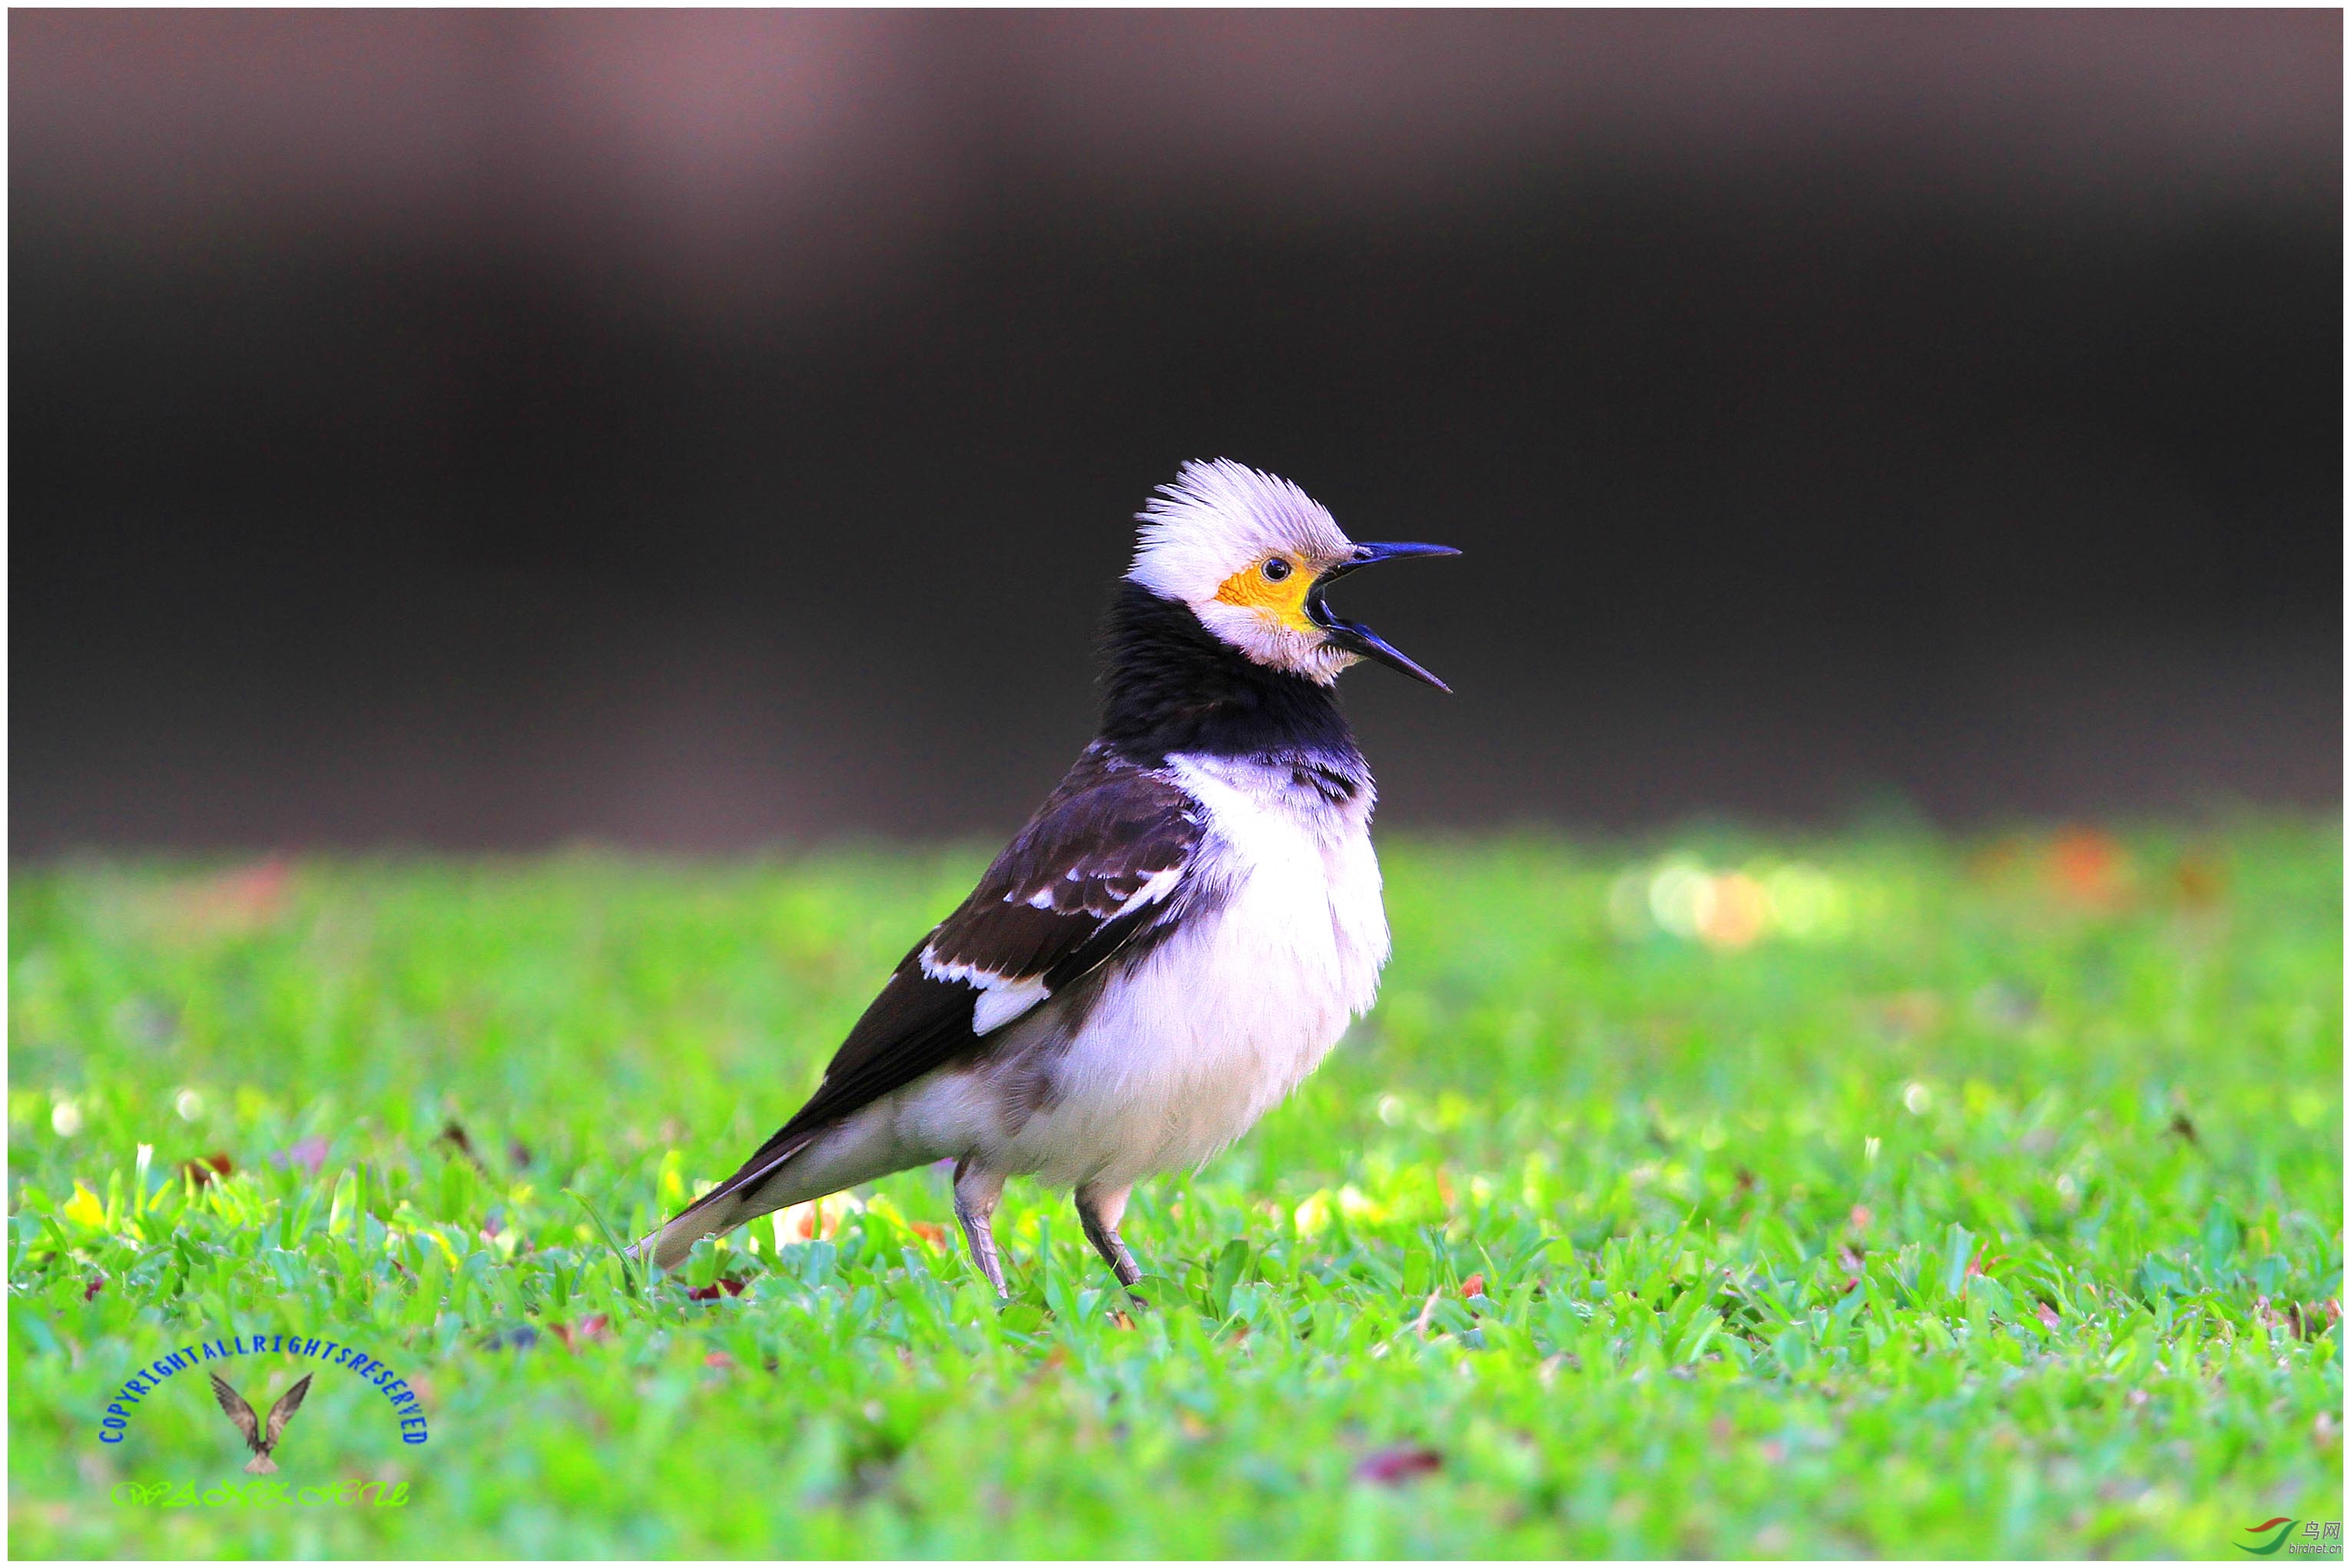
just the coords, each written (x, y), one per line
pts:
(283, 1411)
(233, 1404)
(1106, 861)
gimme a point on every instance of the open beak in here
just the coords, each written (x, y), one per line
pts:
(1355, 637)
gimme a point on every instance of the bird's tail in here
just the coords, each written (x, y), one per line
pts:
(668, 1246)
(261, 1465)
(740, 1196)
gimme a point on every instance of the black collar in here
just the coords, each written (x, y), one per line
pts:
(1168, 685)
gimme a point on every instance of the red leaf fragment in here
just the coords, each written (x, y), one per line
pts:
(242, 899)
(1475, 1285)
(2046, 1313)
(1398, 1464)
(2088, 867)
(591, 1329)
(311, 1154)
(90, 1291)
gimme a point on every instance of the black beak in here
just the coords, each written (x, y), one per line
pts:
(1355, 637)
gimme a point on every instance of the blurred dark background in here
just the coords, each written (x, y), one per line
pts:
(693, 430)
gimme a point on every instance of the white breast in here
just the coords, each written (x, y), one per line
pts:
(1184, 1052)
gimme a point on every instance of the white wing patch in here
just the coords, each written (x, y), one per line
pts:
(1002, 997)
(1000, 1005)
(1155, 888)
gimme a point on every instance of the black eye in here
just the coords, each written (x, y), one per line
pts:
(1276, 568)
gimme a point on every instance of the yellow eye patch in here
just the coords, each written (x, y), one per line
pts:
(1283, 602)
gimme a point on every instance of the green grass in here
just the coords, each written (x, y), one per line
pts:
(1988, 1203)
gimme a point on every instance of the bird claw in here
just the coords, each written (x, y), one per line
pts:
(1100, 1214)
(975, 1206)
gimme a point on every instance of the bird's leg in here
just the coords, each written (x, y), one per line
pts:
(1100, 1210)
(975, 1192)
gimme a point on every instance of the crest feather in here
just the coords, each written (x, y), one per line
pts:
(1217, 518)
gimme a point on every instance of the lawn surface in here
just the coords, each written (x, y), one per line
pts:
(1876, 1194)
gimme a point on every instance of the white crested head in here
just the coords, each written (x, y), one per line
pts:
(1241, 548)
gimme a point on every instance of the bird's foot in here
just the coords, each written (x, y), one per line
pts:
(1100, 1211)
(976, 1193)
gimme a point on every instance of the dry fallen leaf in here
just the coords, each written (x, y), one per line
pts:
(1398, 1464)
(455, 1135)
(205, 1168)
(2200, 879)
